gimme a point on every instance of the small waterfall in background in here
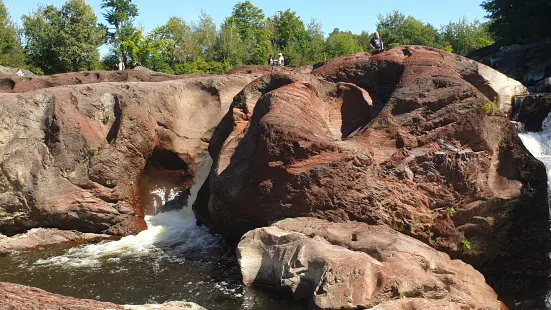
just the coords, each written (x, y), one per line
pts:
(174, 232)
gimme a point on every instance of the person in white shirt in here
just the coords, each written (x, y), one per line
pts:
(19, 72)
(281, 60)
(121, 65)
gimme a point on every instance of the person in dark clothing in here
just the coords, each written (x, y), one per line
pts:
(377, 43)
(271, 60)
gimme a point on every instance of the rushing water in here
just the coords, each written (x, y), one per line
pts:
(174, 259)
(539, 144)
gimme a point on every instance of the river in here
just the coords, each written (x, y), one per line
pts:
(173, 260)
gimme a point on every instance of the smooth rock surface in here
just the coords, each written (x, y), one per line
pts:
(19, 297)
(355, 265)
(38, 238)
(72, 157)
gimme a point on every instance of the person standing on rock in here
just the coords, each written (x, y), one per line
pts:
(281, 60)
(377, 43)
(271, 61)
(121, 65)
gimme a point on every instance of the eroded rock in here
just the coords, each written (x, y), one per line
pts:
(355, 265)
(19, 297)
(432, 159)
(72, 157)
(43, 237)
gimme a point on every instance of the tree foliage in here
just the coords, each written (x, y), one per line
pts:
(398, 29)
(11, 53)
(120, 15)
(517, 21)
(66, 39)
(63, 40)
(341, 43)
(465, 37)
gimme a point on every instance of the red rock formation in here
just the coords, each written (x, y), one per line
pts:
(357, 266)
(424, 152)
(19, 297)
(22, 84)
(72, 157)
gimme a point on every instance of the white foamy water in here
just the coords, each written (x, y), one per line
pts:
(539, 144)
(173, 232)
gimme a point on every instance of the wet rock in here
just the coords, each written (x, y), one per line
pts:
(533, 110)
(354, 265)
(544, 86)
(73, 157)
(39, 238)
(171, 305)
(19, 297)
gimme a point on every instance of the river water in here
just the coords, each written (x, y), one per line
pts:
(173, 260)
(539, 144)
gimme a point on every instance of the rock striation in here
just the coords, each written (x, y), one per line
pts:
(73, 157)
(358, 266)
(409, 138)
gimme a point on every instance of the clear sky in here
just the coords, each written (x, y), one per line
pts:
(352, 15)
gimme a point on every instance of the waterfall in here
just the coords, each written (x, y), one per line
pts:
(539, 144)
(173, 232)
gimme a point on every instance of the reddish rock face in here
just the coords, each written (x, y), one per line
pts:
(19, 297)
(406, 142)
(358, 266)
(21, 84)
(72, 157)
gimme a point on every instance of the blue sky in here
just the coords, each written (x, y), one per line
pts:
(352, 15)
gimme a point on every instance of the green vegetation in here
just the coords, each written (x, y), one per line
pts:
(67, 38)
(451, 211)
(63, 40)
(490, 108)
(519, 21)
(465, 244)
(11, 52)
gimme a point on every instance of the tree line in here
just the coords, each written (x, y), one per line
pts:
(65, 39)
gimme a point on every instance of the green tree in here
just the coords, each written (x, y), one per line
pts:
(465, 37)
(342, 43)
(120, 15)
(517, 21)
(396, 29)
(315, 49)
(11, 52)
(229, 45)
(63, 40)
(290, 36)
(205, 36)
(250, 23)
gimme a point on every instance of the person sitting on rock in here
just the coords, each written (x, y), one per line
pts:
(281, 60)
(19, 72)
(377, 43)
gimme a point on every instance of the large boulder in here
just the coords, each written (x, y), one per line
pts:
(400, 138)
(74, 157)
(19, 297)
(528, 63)
(355, 265)
(532, 111)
